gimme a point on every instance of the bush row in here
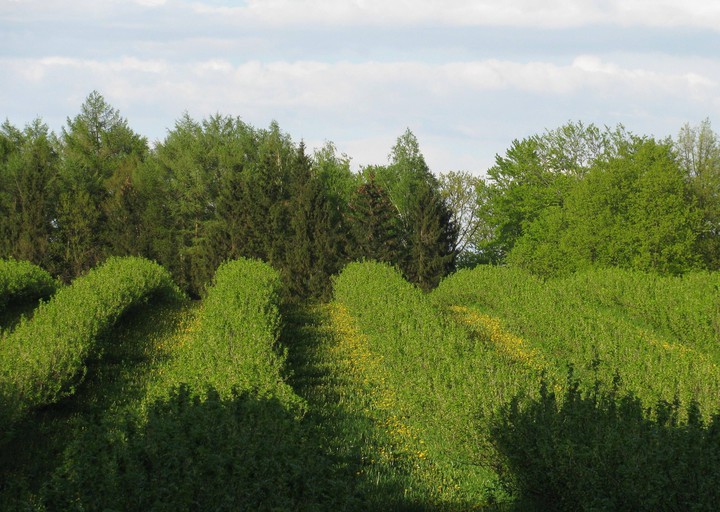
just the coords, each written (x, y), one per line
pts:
(236, 343)
(447, 383)
(604, 450)
(43, 359)
(23, 281)
(684, 308)
(219, 428)
(588, 321)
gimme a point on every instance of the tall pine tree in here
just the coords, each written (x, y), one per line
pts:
(431, 238)
(315, 249)
(375, 224)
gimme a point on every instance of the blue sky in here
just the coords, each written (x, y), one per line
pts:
(467, 77)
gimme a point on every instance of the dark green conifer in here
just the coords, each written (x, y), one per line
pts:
(375, 227)
(315, 243)
(431, 238)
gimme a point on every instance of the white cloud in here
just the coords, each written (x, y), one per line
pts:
(507, 13)
(357, 86)
(480, 13)
(365, 104)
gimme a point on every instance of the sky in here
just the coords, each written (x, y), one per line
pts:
(467, 77)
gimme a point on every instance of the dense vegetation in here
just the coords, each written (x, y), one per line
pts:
(336, 358)
(216, 427)
(22, 281)
(45, 358)
(569, 199)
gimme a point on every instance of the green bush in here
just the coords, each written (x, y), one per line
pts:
(219, 428)
(602, 450)
(236, 344)
(658, 332)
(437, 372)
(195, 451)
(45, 358)
(22, 281)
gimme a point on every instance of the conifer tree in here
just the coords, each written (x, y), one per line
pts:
(96, 144)
(28, 173)
(431, 238)
(374, 222)
(315, 242)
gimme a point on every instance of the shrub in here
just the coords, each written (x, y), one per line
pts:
(45, 358)
(22, 281)
(602, 450)
(236, 344)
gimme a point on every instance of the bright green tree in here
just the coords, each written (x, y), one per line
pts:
(406, 173)
(631, 211)
(537, 173)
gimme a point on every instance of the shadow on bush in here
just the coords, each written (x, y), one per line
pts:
(243, 453)
(600, 450)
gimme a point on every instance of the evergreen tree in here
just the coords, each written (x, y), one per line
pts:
(267, 195)
(200, 168)
(375, 224)
(432, 237)
(28, 173)
(96, 145)
(315, 243)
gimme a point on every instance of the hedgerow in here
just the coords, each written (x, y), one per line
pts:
(236, 341)
(445, 383)
(45, 358)
(605, 324)
(219, 428)
(605, 450)
(23, 281)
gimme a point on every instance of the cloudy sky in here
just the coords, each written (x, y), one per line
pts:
(466, 76)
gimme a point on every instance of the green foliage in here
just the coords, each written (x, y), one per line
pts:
(698, 152)
(431, 238)
(218, 429)
(520, 188)
(334, 172)
(685, 308)
(316, 240)
(465, 194)
(45, 358)
(631, 210)
(437, 371)
(22, 281)
(236, 346)
(198, 203)
(538, 173)
(602, 450)
(375, 224)
(28, 174)
(99, 154)
(406, 173)
(193, 451)
(603, 322)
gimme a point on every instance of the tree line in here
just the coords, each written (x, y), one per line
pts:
(570, 198)
(214, 190)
